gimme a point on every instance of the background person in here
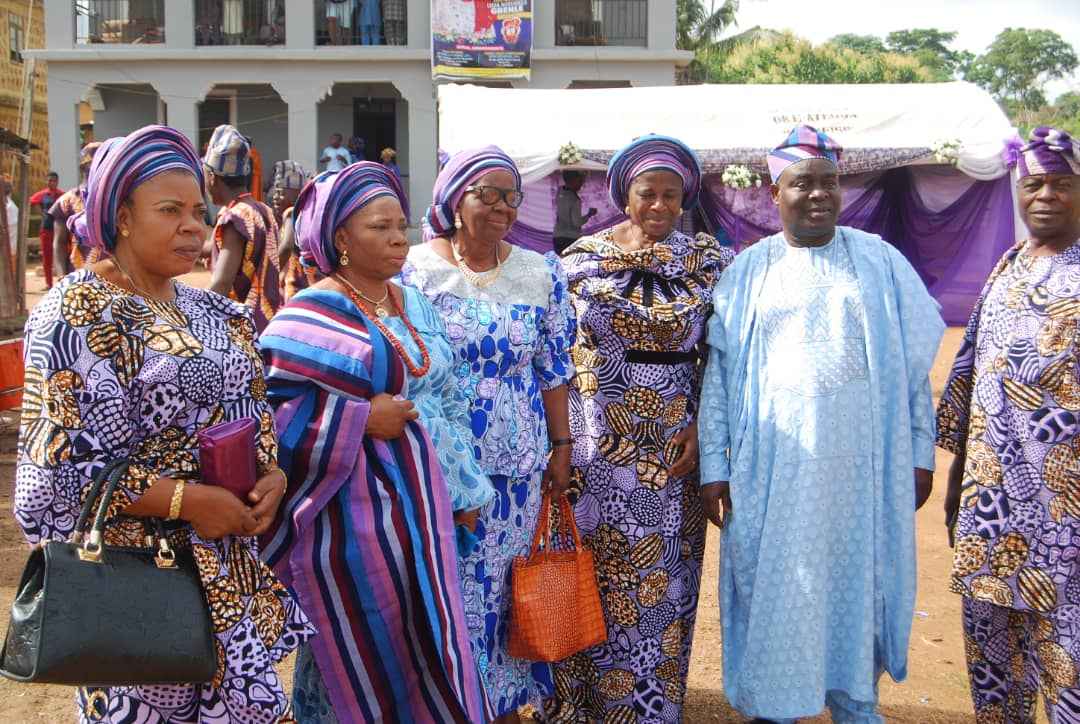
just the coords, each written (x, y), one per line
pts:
(641, 292)
(568, 218)
(243, 259)
(367, 535)
(289, 179)
(67, 253)
(817, 387)
(335, 156)
(122, 360)
(509, 319)
(1008, 414)
(44, 199)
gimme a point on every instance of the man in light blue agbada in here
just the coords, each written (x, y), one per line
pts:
(817, 442)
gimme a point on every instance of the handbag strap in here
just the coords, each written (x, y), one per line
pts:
(543, 524)
(107, 471)
(568, 524)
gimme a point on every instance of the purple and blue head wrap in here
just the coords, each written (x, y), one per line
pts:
(330, 199)
(463, 169)
(120, 165)
(1049, 150)
(654, 153)
(803, 143)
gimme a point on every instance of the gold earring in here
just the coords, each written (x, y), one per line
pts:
(627, 210)
(457, 221)
(344, 261)
(124, 233)
(680, 211)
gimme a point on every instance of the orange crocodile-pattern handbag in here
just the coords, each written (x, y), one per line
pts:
(555, 604)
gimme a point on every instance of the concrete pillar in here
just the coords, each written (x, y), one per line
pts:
(180, 24)
(182, 113)
(303, 100)
(661, 26)
(59, 24)
(64, 97)
(418, 23)
(419, 93)
(543, 24)
(299, 25)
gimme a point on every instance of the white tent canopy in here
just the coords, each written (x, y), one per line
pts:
(531, 125)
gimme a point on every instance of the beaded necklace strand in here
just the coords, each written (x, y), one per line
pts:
(473, 277)
(425, 357)
(379, 304)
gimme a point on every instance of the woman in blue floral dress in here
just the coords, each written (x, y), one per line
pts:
(509, 319)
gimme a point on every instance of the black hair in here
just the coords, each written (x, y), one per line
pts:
(52, 174)
(237, 182)
(569, 175)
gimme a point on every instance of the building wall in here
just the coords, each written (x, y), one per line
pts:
(124, 107)
(264, 117)
(316, 84)
(11, 84)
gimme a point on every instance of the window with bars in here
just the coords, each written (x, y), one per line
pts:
(16, 37)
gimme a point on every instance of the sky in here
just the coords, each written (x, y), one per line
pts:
(977, 22)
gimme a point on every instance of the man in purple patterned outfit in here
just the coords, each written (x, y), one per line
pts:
(1011, 415)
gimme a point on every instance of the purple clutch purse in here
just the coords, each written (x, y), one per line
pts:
(227, 456)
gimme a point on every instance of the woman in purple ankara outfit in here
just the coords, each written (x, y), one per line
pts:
(642, 291)
(122, 360)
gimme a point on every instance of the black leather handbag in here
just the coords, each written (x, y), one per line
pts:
(89, 614)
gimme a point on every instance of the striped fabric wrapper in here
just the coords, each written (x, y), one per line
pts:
(366, 539)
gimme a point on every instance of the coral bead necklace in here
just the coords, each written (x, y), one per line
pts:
(425, 364)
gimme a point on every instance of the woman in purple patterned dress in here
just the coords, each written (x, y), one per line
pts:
(642, 292)
(124, 361)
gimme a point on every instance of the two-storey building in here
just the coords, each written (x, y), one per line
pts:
(288, 76)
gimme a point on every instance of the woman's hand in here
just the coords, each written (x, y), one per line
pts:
(557, 472)
(467, 518)
(215, 512)
(266, 497)
(687, 442)
(388, 416)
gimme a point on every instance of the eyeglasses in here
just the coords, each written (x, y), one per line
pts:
(490, 195)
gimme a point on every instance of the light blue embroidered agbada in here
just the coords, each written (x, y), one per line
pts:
(818, 384)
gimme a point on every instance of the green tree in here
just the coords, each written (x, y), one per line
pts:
(1064, 114)
(865, 44)
(697, 29)
(1019, 63)
(931, 47)
(786, 58)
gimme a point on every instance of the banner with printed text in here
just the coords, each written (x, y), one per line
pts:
(481, 38)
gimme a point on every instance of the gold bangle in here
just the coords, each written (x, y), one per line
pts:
(177, 500)
(284, 477)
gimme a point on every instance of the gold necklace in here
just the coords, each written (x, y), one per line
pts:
(474, 277)
(130, 280)
(380, 310)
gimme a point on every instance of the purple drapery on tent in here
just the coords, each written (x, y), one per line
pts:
(950, 227)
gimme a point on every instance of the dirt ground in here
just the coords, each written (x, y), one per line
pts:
(935, 692)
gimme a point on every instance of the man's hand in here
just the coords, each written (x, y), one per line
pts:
(716, 498)
(924, 485)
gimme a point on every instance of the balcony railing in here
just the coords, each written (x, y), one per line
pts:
(119, 21)
(239, 22)
(349, 22)
(601, 22)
